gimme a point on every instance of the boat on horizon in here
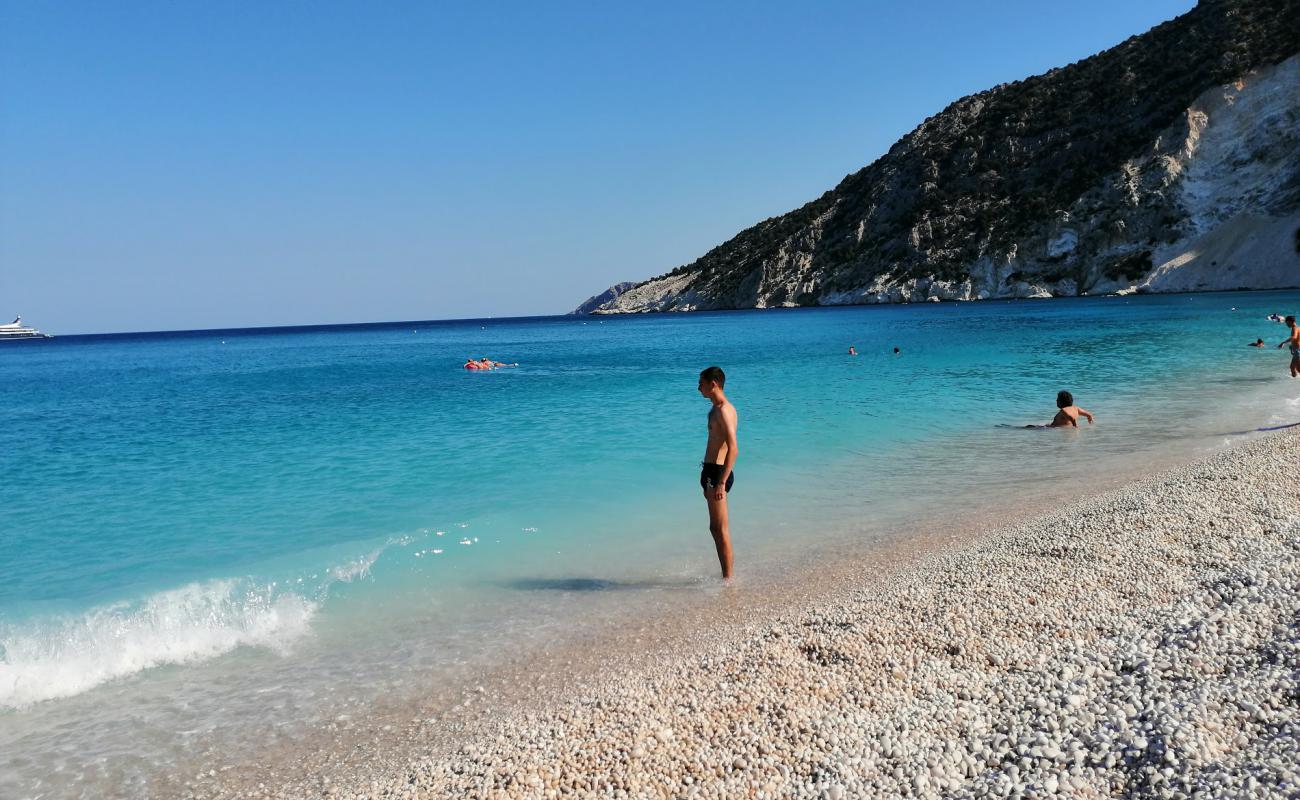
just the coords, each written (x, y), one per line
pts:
(16, 330)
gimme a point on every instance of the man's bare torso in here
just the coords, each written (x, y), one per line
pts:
(715, 452)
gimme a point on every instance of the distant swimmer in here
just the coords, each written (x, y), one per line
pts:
(1068, 414)
(1294, 341)
(716, 470)
(1275, 318)
(853, 351)
(897, 351)
(472, 364)
(1257, 343)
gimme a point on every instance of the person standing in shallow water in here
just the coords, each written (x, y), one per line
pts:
(1294, 341)
(716, 470)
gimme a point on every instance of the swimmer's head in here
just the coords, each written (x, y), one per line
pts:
(711, 375)
(1063, 399)
(1290, 319)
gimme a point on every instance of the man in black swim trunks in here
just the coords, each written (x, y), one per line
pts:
(716, 475)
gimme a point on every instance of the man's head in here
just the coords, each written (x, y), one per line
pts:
(1064, 399)
(1290, 319)
(711, 377)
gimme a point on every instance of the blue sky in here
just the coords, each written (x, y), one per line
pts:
(174, 165)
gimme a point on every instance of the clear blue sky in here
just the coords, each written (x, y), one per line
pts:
(174, 165)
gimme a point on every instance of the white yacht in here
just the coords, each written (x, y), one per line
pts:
(16, 330)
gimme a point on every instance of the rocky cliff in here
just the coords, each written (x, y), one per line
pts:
(1168, 163)
(604, 298)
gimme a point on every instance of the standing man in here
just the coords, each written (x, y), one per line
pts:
(716, 475)
(1293, 340)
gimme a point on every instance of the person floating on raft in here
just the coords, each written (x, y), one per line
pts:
(486, 363)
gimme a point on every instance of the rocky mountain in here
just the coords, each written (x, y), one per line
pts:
(604, 298)
(1170, 162)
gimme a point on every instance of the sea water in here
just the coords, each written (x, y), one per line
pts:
(215, 536)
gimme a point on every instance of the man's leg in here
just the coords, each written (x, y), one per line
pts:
(721, 534)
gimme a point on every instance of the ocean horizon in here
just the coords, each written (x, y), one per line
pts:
(229, 536)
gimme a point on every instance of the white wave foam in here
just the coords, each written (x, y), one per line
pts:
(357, 567)
(60, 657)
(1287, 414)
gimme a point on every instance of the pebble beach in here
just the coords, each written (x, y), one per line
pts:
(1144, 642)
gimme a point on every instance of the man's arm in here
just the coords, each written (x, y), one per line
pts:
(1087, 414)
(729, 431)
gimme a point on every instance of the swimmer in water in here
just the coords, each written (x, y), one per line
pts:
(897, 351)
(716, 475)
(853, 351)
(1257, 343)
(1068, 414)
(1294, 340)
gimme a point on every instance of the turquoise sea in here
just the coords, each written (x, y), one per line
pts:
(211, 537)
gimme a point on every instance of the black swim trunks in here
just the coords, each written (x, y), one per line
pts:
(711, 473)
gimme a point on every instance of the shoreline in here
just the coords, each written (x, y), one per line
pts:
(877, 686)
(935, 300)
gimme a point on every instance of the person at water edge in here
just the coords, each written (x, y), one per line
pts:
(716, 470)
(853, 351)
(1067, 415)
(1294, 341)
(1257, 343)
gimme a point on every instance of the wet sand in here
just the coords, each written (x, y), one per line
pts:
(1143, 642)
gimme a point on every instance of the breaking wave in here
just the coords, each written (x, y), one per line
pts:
(54, 657)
